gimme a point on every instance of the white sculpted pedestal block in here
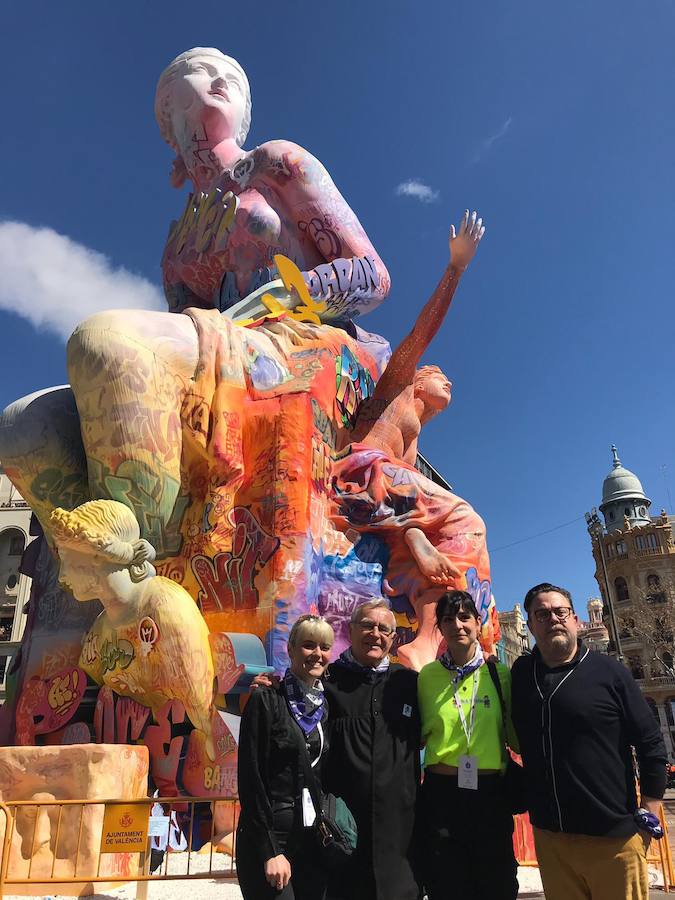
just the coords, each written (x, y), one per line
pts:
(78, 771)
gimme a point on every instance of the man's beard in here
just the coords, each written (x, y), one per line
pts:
(561, 642)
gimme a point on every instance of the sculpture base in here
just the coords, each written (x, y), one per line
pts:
(50, 841)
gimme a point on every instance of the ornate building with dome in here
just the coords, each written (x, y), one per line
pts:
(634, 557)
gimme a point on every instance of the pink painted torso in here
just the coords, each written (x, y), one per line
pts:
(202, 248)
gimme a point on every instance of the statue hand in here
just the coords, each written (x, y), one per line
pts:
(464, 245)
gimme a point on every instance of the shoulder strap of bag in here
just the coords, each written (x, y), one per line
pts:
(309, 778)
(494, 675)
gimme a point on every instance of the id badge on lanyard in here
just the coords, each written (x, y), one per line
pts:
(467, 769)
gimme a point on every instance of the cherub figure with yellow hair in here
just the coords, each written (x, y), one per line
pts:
(150, 642)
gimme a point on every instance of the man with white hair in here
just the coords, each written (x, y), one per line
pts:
(373, 761)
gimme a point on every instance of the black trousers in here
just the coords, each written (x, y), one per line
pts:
(308, 880)
(466, 840)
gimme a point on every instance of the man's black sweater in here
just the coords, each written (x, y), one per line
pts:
(576, 725)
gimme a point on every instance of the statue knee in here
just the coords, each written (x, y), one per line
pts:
(169, 340)
(24, 423)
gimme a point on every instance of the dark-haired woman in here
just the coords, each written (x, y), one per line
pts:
(466, 828)
(276, 853)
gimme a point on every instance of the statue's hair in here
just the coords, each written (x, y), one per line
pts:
(173, 71)
(425, 372)
(104, 528)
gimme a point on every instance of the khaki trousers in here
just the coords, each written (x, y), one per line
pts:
(581, 867)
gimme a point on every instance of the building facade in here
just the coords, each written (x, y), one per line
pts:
(14, 587)
(515, 636)
(594, 632)
(634, 557)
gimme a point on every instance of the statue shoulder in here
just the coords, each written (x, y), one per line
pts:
(289, 162)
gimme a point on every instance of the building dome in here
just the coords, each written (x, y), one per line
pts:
(623, 497)
(621, 483)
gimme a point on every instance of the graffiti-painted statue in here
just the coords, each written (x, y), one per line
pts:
(247, 206)
(150, 642)
(435, 539)
(215, 423)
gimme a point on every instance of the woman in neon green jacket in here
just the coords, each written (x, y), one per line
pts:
(466, 827)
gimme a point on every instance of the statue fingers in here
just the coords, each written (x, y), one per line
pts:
(477, 230)
(464, 224)
(453, 234)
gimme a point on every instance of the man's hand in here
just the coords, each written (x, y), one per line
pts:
(265, 680)
(278, 871)
(463, 245)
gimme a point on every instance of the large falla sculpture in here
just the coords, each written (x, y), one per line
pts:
(214, 471)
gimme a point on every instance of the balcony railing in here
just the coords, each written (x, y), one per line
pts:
(649, 551)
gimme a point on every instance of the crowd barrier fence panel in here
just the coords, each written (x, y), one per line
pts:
(223, 810)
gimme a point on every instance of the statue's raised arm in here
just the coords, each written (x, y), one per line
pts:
(248, 206)
(401, 368)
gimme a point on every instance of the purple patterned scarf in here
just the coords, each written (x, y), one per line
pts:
(458, 672)
(307, 704)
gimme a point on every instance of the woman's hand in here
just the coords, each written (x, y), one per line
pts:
(464, 245)
(278, 871)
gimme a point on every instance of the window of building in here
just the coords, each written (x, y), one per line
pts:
(636, 667)
(12, 582)
(620, 548)
(611, 515)
(626, 511)
(621, 588)
(654, 592)
(669, 710)
(16, 545)
(667, 662)
(611, 550)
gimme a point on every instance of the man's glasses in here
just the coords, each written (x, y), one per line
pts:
(369, 627)
(562, 613)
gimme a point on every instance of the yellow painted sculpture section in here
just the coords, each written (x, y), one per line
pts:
(151, 642)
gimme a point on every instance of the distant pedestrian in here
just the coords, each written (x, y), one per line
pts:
(578, 714)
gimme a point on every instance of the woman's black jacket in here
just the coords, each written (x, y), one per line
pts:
(269, 765)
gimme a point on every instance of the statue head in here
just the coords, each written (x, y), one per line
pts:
(97, 539)
(433, 389)
(203, 81)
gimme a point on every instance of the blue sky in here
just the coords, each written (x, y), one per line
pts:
(554, 120)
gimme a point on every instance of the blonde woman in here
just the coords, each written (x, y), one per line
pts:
(275, 854)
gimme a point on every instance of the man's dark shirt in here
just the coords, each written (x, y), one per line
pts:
(576, 725)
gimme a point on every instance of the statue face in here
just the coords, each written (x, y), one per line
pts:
(435, 392)
(211, 90)
(80, 573)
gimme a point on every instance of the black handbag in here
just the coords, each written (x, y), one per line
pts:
(514, 778)
(334, 826)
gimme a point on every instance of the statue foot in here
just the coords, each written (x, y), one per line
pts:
(433, 564)
(417, 654)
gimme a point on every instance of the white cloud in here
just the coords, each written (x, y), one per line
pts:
(418, 190)
(55, 283)
(485, 145)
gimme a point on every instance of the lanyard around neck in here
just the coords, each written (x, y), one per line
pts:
(468, 729)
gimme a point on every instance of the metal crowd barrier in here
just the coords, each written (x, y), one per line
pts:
(68, 869)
